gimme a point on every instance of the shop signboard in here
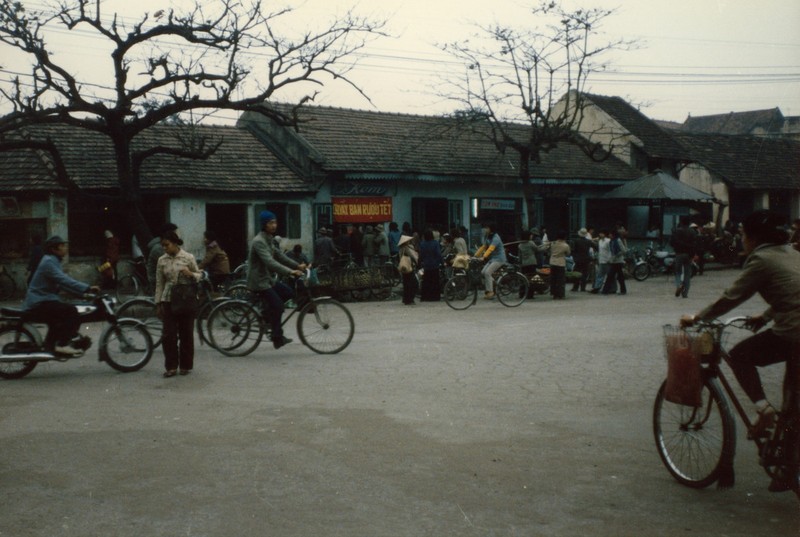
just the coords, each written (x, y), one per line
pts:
(362, 209)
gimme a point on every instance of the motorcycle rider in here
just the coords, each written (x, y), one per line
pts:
(43, 303)
(772, 269)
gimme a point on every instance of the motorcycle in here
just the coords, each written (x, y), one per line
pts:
(125, 344)
(660, 262)
(637, 266)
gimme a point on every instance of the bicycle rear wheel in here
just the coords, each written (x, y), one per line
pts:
(458, 293)
(695, 443)
(512, 289)
(128, 287)
(234, 328)
(325, 326)
(143, 309)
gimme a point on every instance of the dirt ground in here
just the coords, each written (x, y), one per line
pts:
(494, 421)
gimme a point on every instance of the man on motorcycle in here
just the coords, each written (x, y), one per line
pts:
(43, 303)
(772, 269)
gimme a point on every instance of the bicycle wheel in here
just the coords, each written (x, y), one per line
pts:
(126, 346)
(458, 293)
(325, 326)
(201, 321)
(128, 287)
(641, 272)
(234, 328)
(11, 336)
(511, 289)
(695, 443)
(143, 309)
(239, 291)
(7, 286)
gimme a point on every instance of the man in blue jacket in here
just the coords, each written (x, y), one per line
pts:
(42, 301)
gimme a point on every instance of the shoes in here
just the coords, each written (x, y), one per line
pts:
(66, 350)
(279, 342)
(764, 423)
(169, 373)
(679, 290)
(595, 290)
(185, 372)
(489, 295)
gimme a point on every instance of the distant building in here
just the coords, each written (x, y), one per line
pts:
(754, 122)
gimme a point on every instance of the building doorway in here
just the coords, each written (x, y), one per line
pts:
(229, 222)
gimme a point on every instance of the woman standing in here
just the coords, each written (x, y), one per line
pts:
(176, 266)
(406, 248)
(430, 258)
(559, 250)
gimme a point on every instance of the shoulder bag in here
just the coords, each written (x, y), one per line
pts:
(183, 299)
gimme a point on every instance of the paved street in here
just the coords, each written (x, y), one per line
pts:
(494, 421)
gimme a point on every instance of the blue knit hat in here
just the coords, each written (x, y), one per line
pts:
(266, 216)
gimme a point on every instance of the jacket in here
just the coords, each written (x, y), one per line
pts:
(266, 263)
(48, 280)
(168, 273)
(684, 241)
(216, 260)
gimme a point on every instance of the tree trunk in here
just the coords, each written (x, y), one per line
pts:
(130, 197)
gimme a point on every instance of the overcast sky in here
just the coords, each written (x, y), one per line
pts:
(697, 57)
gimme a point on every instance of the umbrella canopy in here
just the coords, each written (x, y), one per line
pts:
(658, 186)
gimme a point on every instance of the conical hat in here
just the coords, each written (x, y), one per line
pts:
(404, 239)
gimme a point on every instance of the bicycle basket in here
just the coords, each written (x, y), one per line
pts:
(685, 351)
(474, 272)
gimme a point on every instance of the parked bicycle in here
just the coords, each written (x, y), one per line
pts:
(125, 344)
(134, 283)
(324, 325)
(510, 286)
(697, 443)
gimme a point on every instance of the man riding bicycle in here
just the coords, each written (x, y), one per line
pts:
(493, 253)
(266, 263)
(772, 269)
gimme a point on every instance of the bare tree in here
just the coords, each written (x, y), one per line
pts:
(226, 54)
(515, 78)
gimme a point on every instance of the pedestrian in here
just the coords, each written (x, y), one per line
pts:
(175, 267)
(324, 248)
(459, 244)
(603, 260)
(430, 259)
(297, 254)
(541, 247)
(684, 242)
(154, 253)
(216, 261)
(406, 249)
(357, 245)
(266, 263)
(368, 245)
(559, 250)
(381, 245)
(394, 237)
(342, 240)
(618, 248)
(582, 255)
(108, 269)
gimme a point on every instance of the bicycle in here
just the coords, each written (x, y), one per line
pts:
(8, 287)
(510, 286)
(324, 325)
(134, 283)
(697, 443)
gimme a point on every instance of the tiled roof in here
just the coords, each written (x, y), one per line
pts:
(376, 143)
(747, 162)
(27, 170)
(241, 164)
(735, 122)
(657, 142)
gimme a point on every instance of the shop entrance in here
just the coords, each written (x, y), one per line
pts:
(430, 213)
(229, 222)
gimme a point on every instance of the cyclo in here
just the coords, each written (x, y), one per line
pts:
(694, 426)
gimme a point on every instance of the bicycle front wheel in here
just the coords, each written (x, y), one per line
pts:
(126, 346)
(458, 293)
(145, 310)
(695, 443)
(234, 328)
(325, 326)
(512, 289)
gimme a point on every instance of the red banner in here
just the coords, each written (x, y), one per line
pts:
(362, 210)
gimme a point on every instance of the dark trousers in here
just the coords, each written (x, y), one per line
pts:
(761, 350)
(178, 339)
(272, 305)
(431, 287)
(409, 288)
(558, 281)
(62, 322)
(583, 268)
(614, 273)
